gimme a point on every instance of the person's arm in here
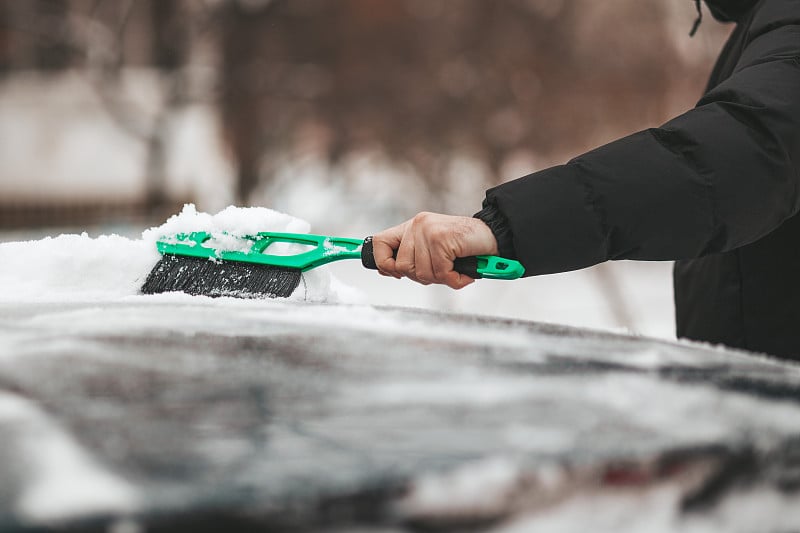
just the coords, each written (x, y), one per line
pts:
(715, 178)
(718, 177)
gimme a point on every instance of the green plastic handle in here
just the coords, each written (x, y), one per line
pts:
(322, 250)
(255, 248)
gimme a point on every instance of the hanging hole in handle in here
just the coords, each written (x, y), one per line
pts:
(280, 248)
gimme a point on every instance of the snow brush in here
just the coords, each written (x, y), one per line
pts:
(192, 264)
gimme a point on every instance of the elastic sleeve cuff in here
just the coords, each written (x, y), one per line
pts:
(500, 227)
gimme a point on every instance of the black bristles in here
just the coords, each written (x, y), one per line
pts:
(200, 276)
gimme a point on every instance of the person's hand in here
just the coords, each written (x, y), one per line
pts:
(426, 246)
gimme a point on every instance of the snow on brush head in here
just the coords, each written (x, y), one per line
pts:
(232, 220)
(317, 285)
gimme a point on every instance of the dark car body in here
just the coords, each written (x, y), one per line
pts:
(177, 413)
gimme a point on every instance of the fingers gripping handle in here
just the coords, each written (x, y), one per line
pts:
(476, 267)
(465, 265)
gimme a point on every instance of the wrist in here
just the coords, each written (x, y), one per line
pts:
(500, 229)
(486, 241)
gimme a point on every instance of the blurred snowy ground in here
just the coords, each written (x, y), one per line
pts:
(584, 298)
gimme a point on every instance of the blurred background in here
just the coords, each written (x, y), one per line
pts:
(351, 114)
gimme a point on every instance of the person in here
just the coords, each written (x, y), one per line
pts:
(716, 189)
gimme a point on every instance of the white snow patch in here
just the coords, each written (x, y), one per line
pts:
(74, 267)
(61, 480)
(109, 267)
(479, 488)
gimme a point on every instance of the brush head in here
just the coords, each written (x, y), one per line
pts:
(214, 277)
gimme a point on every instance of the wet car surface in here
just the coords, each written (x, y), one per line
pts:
(176, 413)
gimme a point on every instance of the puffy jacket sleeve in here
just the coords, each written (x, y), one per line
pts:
(718, 177)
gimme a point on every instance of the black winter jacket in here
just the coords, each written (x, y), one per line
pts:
(717, 189)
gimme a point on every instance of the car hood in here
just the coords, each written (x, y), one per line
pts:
(172, 411)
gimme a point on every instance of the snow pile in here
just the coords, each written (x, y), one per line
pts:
(109, 267)
(75, 267)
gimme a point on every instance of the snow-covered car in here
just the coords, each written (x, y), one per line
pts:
(179, 414)
(124, 412)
